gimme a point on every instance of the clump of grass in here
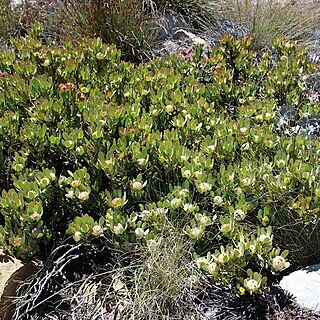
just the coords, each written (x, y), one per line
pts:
(124, 23)
(184, 7)
(159, 281)
(302, 239)
(198, 12)
(267, 19)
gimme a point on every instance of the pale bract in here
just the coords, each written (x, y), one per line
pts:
(118, 229)
(252, 285)
(278, 263)
(217, 200)
(139, 233)
(204, 187)
(77, 236)
(97, 230)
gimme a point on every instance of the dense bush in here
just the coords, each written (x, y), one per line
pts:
(99, 148)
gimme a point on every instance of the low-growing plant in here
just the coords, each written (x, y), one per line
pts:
(104, 149)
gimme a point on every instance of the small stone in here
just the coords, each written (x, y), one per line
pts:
(182, 34)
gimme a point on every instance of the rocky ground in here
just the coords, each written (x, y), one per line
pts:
(71, 286)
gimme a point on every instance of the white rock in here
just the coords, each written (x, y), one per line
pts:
(170, 46)
(186, 34)
(16, 3)
(304, 285)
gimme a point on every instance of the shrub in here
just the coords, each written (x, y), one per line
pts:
(104, 149)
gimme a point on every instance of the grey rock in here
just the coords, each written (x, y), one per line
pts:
(290, 122)
(182, 34)
(170, 46)
(16, 3)
(183, 45)
(169, 23)
(304, 285)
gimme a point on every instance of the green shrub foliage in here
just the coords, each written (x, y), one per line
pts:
(96, 147)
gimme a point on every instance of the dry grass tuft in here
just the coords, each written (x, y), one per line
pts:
(267, 19)
(158, 283)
